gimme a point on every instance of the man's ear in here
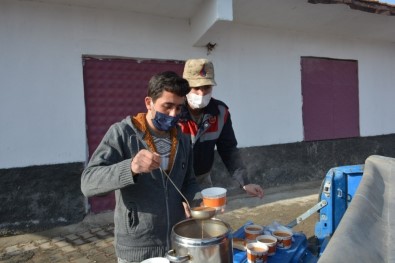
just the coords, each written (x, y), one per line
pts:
(147, 101)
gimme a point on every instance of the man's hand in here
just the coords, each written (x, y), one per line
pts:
(144, 162)
(254, 190)
(186, 208)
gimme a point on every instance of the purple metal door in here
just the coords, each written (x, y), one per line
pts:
(114, 89)
(330, 98)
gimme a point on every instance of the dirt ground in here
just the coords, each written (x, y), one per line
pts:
(281, 204)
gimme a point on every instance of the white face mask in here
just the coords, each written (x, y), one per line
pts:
(198, 102)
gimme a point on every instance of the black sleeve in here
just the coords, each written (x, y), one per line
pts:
(230, 154)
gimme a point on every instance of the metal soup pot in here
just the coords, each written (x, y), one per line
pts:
(201, 241)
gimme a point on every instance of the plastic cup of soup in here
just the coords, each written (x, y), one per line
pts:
(284, 238)
(257, 252)
(269, 241)
(252, 232)
(214, 197)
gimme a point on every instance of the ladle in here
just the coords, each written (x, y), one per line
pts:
(196, 212)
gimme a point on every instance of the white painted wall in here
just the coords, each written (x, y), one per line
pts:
(258, 73)
(42, 111)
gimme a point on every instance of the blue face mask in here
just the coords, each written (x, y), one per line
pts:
(164, 122)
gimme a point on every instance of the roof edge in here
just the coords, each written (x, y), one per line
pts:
(371, 6)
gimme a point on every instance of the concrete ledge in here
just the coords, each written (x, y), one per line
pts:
(285, 164)
(36, 198)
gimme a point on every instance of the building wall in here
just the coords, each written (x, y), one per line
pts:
(262, 66)
(42, 111)
(41, 72)
(42, 84)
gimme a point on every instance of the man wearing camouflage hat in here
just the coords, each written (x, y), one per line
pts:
(208, 122)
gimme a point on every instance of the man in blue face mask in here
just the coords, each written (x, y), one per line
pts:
(208, 122)
(162, 121)
(132, 160)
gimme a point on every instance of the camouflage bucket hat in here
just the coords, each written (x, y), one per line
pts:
(199, 72)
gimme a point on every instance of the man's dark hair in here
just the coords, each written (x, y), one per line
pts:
(168, 81)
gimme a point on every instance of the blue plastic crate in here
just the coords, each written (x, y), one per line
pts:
(338, 189)
(297, 253)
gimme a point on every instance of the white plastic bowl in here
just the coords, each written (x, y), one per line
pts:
(214, 192)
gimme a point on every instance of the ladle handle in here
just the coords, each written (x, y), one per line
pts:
(178, 190)
(168, 177)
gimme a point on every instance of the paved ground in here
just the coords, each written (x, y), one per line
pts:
(92, 239)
